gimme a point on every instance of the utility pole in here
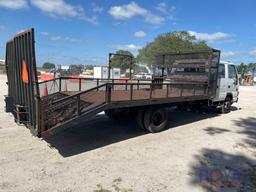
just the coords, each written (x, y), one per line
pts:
(253, 71)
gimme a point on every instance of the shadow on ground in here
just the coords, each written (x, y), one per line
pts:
(101, 131)
(216, 170)
(96, 133)
(248, 126)
(215, 130)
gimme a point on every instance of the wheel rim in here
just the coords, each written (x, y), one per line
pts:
(227, 105)
(158, 118)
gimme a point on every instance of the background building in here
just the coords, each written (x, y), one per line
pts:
(2, 66)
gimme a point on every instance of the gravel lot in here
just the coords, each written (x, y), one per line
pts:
(106, 156)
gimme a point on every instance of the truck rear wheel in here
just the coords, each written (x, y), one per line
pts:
(155, 119)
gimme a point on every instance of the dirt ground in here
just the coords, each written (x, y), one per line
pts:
(200, 151)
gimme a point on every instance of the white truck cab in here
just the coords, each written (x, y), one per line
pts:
(227, 86)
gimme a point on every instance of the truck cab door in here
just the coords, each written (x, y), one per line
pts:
(222, 83)
(233, 83)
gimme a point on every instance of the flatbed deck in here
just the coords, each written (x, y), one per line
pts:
(62, 106)
(98, 97)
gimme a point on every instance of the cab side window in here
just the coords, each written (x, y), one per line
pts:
(221, 69)
(232, 72)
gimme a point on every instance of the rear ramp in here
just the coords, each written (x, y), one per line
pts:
(22, 79)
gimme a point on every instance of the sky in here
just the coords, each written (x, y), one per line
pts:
(84, 31)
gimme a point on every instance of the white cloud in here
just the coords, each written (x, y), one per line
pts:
(127, 11)
(131, 10)
(73, 40)
(14, 4)
(92, 19)
(164, 8)
(211, 37)
(153, 19)
(59, 8)
(128, 47)
(67, 39)
(55, 38)
(97, 9)
(44, 33)
(253, 53)
(228, 54)
(140, 34)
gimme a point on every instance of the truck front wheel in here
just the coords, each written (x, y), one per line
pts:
(226, 106)
(155, 119)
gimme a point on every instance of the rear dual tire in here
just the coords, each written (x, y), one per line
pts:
(153, 119)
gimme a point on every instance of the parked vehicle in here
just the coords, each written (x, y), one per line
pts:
(143, 76)
(102, 72)
(148, 76)
(188, 78)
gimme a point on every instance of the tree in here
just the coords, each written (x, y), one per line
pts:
(48, 65)
(252, 66)
(169, 42)
(242, 68)
(89, 67)
(122, 61)
(245, 68)
(75, 69)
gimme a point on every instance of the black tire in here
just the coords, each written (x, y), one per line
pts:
(140, 118)
(226, 106)
(155, 119)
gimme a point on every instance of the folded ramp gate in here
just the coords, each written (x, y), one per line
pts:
(22, 79)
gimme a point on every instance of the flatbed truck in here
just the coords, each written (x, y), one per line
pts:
(188, 78)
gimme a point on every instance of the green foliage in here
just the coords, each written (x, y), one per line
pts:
(169, 42)
(139, 69)
(252, 66)
(244, 68)
(48, 65)
(90, 67)
(122, 62)
(75, 69)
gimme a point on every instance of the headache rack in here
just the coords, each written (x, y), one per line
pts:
(70, 99)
